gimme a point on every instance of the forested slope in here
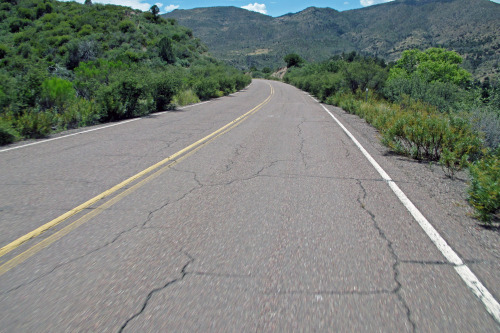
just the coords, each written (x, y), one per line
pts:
(64, 64)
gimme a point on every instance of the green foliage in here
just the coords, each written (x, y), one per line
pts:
(7, 133)
(208, 88)
(154, 10)
(293, 60)
(126, 97)
(64, 65)
(3, 51)
(166, 51)
(35, 124)
(433, 65)
(484, 192)
(443, 95)
(126, 26)
(419, 131)
(164, 88)
(56, 93)
(433, 76)
(185, 97)
(340, 74)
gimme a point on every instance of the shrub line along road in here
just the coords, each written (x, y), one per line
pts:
(273, 219)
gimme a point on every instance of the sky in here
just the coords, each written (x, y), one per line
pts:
(268, 7)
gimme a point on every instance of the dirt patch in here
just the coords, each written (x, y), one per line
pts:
(280, 73)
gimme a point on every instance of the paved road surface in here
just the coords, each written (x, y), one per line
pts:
(277, 222)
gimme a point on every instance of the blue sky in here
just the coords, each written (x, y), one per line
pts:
(269, 7)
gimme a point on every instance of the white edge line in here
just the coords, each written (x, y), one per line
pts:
(103, 127)
(66, 136)
(99, 128)
(192, 105)
(470, 279)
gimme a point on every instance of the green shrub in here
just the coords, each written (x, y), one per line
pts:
(56, 93)
(164, 88)
(7, 133)
(185, 97)
(126, 97)
(126, 26)
(35, 124)
(418, 131)
(207, 88)
(79, 113)
(487, 122)
(3, 51)
(484, 190)
(166, 51)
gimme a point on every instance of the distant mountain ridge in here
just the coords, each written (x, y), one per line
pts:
(245, 39)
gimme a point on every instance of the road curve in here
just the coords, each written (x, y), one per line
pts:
(262, 215)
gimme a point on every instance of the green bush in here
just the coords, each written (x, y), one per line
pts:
(56, 93)
(35, 124)
(3, 51)
(126, 26)
(419, 131)
(443, 95)
(127, 97)
(185, 97)
(484, 190)
(166, 51)
(164, 87)
(7, 133)
(207, 88)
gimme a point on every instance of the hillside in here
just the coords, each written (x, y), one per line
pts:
(64, 65)
(243, 38)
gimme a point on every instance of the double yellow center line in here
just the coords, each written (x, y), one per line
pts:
(160, 167)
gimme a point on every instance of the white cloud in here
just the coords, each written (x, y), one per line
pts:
(170, 8)
(136, 4)
(256, 7)
(365, 3)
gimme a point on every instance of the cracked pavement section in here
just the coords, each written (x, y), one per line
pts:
(156, 290)
(278, 225)
(396, 264)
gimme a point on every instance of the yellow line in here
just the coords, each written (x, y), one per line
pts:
(13, 245)
(66, 230)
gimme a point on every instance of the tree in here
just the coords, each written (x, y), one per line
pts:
(166, 51)
(433, 76)
(432, 65)
(155, 11)
(293, 60)
(88, 2)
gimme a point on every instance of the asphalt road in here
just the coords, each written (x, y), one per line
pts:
(275, 222)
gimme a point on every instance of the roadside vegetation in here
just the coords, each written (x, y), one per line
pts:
(425, 106)
(65, 65)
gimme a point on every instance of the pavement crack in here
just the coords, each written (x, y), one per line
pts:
(395, 267)
(424, 262)
(302, 142)
(224, 275)
(61, 265)
(183, 274)
(347, 151)
(236, 154)
(331, 292)
(198, 186)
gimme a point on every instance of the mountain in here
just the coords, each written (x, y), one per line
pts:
(245, 39)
